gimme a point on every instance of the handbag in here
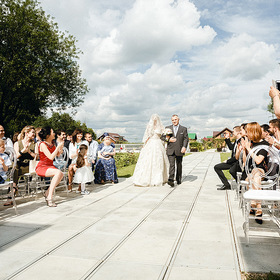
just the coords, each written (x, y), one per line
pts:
(32, 165)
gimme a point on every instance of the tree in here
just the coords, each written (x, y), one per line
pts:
(38, 65)
(62, 122)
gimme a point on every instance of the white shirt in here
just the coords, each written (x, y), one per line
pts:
(175, 129)
(93, 150)
(73, 149)
(8, 142)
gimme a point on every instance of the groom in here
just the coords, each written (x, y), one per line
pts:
(176, 148)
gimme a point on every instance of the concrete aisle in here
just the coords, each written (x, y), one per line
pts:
(125, 232)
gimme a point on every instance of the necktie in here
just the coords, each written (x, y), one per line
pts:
(175, 130)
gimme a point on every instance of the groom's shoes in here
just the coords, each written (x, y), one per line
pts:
(170, 183)
(224, 188)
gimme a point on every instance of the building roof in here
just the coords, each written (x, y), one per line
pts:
(217, 133)
(192, 136)
(114, 136)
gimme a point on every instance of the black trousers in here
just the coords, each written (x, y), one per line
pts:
(234, 169)
(172, 159)
(219, 170)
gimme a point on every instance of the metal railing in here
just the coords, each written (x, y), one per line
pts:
(128, 148)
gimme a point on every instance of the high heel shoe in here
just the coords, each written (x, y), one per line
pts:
(69, 187)
(258, 218)
(15, 191)
(50, 203)
(45, 195)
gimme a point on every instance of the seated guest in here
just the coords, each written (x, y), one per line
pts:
(16, 137)
(8, 141)
(61, 138)
(45, 167)
(273, 138)
(106, 167)
(231, 164)
(5, 162)
(83, 172)
(77, 140)
(93, 146)
(26, 150)
(37, 137)
(265, 131)
(254, 139)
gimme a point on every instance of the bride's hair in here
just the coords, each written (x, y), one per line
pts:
(153, 125)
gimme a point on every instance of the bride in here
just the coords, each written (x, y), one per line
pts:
(152, 167)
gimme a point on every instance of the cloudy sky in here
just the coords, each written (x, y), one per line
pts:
(210, 62)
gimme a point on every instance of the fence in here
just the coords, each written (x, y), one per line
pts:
(128, 148)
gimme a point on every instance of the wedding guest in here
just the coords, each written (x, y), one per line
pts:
(83, 172)
(231, 164)
(8, 141)
(5, 162)
(61, 137)
(37, 137)
(77, 140)
(106, 170)
(25, 150)
(45, 167)
(254, 139)
(93, 146)
(16, 137)
(274, 94)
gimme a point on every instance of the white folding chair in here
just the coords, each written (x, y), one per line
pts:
(61, 162)
(268, 198)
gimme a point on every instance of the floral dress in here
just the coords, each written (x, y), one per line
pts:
(105, 169)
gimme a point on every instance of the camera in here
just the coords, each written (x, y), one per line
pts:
(276, 84)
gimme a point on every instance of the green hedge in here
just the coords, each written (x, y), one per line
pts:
(125, 159)
(196, 146)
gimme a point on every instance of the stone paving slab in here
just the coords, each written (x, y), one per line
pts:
(125, 232)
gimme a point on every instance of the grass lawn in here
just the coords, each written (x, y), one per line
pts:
(225, 156)
(126, 171)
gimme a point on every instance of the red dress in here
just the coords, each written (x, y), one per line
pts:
(45, 163)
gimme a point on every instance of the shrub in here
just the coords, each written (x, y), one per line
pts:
(126, 159)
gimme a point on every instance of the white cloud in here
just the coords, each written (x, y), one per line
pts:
(143, 57)
(152, 31)
(244, 57)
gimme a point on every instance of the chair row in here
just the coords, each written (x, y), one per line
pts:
(265, 192)
(30, 184)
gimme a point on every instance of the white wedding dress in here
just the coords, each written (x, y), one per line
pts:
(152, 167)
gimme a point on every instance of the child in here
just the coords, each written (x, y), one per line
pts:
(5, 162)
(83, 172)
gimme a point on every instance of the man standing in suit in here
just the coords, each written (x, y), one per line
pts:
(176, 148)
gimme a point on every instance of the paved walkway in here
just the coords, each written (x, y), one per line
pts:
(124, 232)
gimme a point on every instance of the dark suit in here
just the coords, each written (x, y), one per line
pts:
(231, 164)
(174, 152)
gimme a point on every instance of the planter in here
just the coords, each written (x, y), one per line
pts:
(192, 150)
(219, 149)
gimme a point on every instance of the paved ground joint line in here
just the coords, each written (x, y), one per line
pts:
(66, 241)
(168, 266)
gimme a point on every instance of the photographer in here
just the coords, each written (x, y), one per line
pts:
(274, 94)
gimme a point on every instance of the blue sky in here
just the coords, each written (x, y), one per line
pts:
(211, 62)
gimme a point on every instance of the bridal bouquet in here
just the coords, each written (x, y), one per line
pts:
(168, 132)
